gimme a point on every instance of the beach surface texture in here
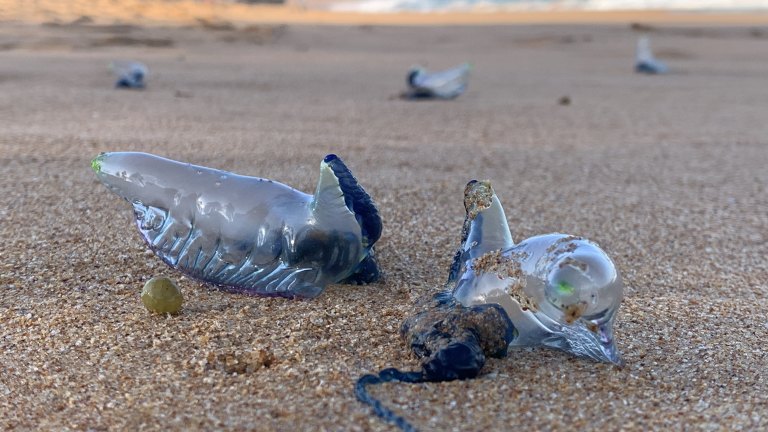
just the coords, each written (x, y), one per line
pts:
(667, 173)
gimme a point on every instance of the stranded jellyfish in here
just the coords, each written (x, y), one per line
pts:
(249, 234)
(554, 290)
(447, 84)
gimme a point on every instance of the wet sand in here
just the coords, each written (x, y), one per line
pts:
(668, 174)
(318, 12)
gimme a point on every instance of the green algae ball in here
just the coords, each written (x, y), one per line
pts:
(161, 295)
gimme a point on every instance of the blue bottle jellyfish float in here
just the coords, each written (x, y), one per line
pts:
(249, 234)
(645, 62)
(130, 74)
(560, 291)
(447, 84)
(556, 290)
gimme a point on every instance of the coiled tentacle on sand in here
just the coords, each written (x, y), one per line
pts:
(452, 342)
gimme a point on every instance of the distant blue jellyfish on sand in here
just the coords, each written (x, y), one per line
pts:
(447, 84)
(645, 62)
(130, 74)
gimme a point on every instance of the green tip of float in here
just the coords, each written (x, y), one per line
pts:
(96, 163)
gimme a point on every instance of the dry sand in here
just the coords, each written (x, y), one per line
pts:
(667, 173)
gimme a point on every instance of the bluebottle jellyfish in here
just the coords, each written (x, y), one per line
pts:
(554, 290)
(560, 291)
(447, 84)
(645, 62)
(130, 74)
(249, 234)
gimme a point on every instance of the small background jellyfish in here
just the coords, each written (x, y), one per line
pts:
(130, 74)
(645, 62)
(447, 84)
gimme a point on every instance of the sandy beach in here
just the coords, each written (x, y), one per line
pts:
(667, 173)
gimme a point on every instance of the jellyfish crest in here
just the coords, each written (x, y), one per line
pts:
(328, 202)
(488, 229)
(338, 193)
(485, 226)
(340, 205)
(644, 53)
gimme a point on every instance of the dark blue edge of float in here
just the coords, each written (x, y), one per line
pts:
(357, 200)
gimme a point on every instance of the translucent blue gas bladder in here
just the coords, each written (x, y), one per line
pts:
(247, 233)
(560, 291)
(130, 74)
(447, 84)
